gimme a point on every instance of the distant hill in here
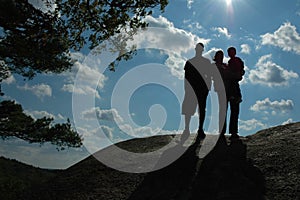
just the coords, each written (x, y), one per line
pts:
(265, 165)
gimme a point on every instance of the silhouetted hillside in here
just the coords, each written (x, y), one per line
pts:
(265, 165)
(18, 179)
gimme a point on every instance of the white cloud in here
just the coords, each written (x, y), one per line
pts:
(285, 37)
(245, 49)
(176, 64)
(40, 90)
(96, 139)
(162, 34)
(11, 79)
(145, 131)
(251, 124)
(68, 88)
(222, 31)
(59, 116)
(139, 131)
(40, 4)
(189, 3)
(39, 114)
(160, 22)
(267, 105)
(106, 115)
(112, 115)
(177, 43)
(108, 131)
(288, 121)
(193, 26)
(87, 76)
(82, 89)
(269, 73)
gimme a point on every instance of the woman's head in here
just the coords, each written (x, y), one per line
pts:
(219, 55)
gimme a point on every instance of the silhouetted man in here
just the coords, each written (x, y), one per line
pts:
(197, 84)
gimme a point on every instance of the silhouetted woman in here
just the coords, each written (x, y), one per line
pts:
(220, 88)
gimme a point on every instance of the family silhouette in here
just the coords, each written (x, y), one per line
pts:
(224, 172)
(199, 76)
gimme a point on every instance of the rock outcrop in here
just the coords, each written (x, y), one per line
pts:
(265, 165)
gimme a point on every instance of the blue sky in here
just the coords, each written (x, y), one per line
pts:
(143, 97)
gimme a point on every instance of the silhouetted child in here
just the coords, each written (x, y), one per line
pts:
(234, 74)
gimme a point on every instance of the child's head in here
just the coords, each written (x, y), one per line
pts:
(231, 52)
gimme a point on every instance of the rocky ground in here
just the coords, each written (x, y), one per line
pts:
(265, 165)
(276, 152)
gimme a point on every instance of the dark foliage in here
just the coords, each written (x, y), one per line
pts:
(103, 19)
(34, 41)
(15, 123)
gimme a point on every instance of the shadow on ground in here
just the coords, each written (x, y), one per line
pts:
(224, 174)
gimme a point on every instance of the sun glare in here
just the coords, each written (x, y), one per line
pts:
(228, 2)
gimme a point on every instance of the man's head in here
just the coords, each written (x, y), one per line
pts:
(199, 48)
(231, 52)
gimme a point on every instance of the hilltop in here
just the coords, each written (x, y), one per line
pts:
(265, 165)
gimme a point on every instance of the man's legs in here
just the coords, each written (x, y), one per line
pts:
(202, 111)
(187, 120)
(186, 132)
(189, 107)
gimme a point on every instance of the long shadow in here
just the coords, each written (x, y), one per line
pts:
(173, 181)
(226, 174)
